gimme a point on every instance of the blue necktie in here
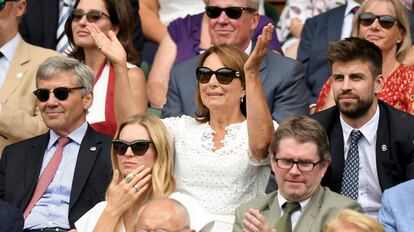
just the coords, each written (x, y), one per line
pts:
(350, 177)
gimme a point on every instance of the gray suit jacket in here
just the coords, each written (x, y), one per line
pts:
(282, 79)
(323, 206)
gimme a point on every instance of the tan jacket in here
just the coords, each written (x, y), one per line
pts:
(19, 116)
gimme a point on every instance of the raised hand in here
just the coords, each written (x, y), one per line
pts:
(108, 44)
(252, 64)
(123, 194)
(254, 221)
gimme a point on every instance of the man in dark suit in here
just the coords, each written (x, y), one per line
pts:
(372, 144)
(54, 184)
(282, 78)
(39, 24)
(11, 219)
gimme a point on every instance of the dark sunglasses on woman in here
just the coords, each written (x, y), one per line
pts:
(223, 75)
(139, 147)
(233, 12)
(92, 15)
(3, 3)
(386, 21)
(61, 93)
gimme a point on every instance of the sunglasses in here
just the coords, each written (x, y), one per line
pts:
(386, 21)
(92, 15)
(233, 12)
(139, 147)
(61, 93)
(3, 3)
(223, 75)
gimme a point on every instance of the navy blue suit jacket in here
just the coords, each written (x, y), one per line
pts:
(11, 219)
(20, 168)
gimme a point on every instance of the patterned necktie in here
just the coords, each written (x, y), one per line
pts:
(62, 40)
(47, 175)
(350, 177)
(285, 222)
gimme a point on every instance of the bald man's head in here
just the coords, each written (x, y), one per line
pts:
(164, 213)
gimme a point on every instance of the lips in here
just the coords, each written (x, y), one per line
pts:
(373, 37)
(214, 94)
(82, 33)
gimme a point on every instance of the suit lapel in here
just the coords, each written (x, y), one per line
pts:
(382, 146)
(17, 70)
(88, 151)
(273, 214)
(263, 67)
(335, 22)
(308, 217)
(33, 165)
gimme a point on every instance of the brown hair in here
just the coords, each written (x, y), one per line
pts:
(303, 129)
(354, 48)
(402, 19)
(120, 15)
(232, 57)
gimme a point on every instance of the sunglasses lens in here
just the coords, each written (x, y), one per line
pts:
(366, 19)
(94, 15)
(139, 148)
(225, 75)
(213, 11)
(119, 147)
(42, 94)
(203, 74)
(61, 93)
(77, 14)
(386, 21)
(233, 12)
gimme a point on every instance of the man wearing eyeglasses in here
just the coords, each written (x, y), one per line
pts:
(56, 177)
(372, 143)
(19, 117)
(299, 154)
(232, 22)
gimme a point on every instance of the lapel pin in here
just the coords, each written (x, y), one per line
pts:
(19, 75)
(92, 149)
(384, 147)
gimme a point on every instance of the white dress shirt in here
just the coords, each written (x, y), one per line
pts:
(8, 53)
(348, 17)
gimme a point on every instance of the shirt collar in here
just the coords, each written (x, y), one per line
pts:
(9, 48)
(368, 130)
(349, 6)
(283, 200)
(249, 48)
(76, 135)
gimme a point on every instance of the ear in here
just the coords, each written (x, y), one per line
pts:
(115, 29)
(21, 8)
(255, 20)
(325, 166)
(378, 83)
(87, 100)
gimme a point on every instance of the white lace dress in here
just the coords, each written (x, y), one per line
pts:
(218, 180)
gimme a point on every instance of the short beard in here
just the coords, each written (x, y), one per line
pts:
(361, 108)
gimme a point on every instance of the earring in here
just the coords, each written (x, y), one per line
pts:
(241, 99)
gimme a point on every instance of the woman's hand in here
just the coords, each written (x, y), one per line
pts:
(123, 194)
(252, 64)
(255, 222)
(108, 44)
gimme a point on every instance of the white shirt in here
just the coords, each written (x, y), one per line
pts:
(295, 215)
(8, 51)
(348, 17)
(369, 190)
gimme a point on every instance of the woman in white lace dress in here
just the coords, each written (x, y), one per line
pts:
(221, 155)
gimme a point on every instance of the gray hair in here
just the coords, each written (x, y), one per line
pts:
(249, 3)
(59, 64)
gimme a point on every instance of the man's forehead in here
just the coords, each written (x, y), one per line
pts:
(227, 2)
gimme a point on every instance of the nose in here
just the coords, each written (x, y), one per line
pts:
(346, 84)
(294, 170)
(213, 81)
(375, 25)
(83, 20)
(223, 18)
(129, 152)
(52, 101)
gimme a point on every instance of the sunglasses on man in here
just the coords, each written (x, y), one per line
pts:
(233, 12)
(138, 147)
(386, 21)
(223, 75)
(3, 3)
(61, 93)
(92, 15)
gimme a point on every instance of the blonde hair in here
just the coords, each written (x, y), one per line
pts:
(163, 181)
(354, 219)
(401, 17)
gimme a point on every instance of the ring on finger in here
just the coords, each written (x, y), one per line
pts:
(100, 46)
(136, 187)
(129, 177)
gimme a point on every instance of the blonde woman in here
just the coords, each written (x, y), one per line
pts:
(349, 220)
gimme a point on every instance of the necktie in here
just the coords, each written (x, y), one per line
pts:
(350, 177)
(47, 175)
(1, 55)
(285, 222)
(62, 40)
